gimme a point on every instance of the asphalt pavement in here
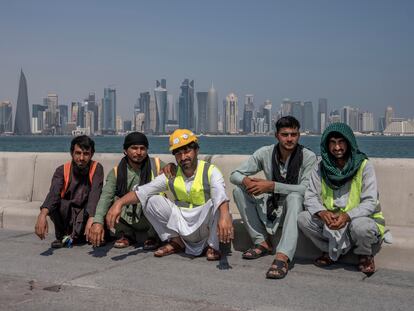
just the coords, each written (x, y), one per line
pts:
(35, 277)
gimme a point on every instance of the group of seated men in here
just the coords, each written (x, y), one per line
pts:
(334, 201)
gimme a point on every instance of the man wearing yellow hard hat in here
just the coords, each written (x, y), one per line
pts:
(199, 217)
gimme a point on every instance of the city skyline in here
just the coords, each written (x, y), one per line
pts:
(354, 53)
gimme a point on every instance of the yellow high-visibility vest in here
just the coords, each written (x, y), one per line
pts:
(200, 190)
(354, 199)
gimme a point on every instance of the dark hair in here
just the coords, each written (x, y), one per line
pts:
(287, 121)
(84, 142)
(335, 135)
(192, 145)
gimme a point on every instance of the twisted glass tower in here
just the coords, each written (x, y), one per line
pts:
(22, 120)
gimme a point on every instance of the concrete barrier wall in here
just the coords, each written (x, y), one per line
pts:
(25, 177)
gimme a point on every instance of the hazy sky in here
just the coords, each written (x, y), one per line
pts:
(357, 53)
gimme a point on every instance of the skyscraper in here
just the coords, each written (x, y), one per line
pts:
(144, 103)
(307, 116)
(202, 125)
(160, 94)
(91, 105)
(109, 110)
(248, 113)
(212, 110)
(232, 117)
(389, 115)
(38, 118)
(322, 114)
(267, 116)
(186, 105)
(6, 116)
(22, 120)
(367, 122)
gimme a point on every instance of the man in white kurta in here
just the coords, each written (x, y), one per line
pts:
(196, 226)
(199, 217)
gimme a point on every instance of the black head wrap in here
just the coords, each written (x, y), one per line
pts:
(135, 138)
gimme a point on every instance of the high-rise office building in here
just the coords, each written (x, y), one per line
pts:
(186, 105)
(152, 115)
(267, 116)
(307, 116)
(367, 122)
(160, 94)
(38, 118)
(322, 114)
(172, 111)
(212, 110)
(144, 108)
(335, 117)
(286, 107)
(202, 122)
(63, 116)
(109, 110)
(389, 115)
(297, 110)
(91, 105)
(248, 113)
(127, 125)
(22, 119)
(232, 117)
(6, 117)
(53, 108)
(119, 124)
(350, 116)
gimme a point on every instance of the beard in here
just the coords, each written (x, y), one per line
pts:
(80, 171)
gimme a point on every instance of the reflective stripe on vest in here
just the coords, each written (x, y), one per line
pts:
(354, 199)
(200, 189)
(67, 168)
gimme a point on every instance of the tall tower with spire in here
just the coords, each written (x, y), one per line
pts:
(212, 110)
(22, 120)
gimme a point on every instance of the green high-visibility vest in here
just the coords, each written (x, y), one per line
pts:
(354, 199)
(200, 190)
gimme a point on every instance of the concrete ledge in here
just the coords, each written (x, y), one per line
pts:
(25, 180)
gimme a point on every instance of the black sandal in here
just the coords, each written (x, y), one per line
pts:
(252, 253)
(278, 270)
(323, 261)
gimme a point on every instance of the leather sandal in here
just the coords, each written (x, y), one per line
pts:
(151, 244)
(122, 242)
(255, 252)
(366, 264)
(278, 270)
(212, 254)
(323, 261)
(168, 249)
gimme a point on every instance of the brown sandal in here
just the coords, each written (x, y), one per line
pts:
(366, 264)
(151, 244)
(324, 260)
(212, 254)
(170, 248)
(122, 242)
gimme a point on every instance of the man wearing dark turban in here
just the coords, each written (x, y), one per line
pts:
(342, 205)
(135, 168)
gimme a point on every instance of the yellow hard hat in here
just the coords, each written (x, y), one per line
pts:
(181, 137)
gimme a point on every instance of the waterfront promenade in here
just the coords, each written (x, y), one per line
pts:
(34, 277)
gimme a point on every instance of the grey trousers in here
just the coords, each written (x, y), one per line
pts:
(363, 232)
(249, 210)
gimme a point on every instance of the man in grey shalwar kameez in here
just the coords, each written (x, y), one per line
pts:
(342, 202)
(199, 218)
(263, 202)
